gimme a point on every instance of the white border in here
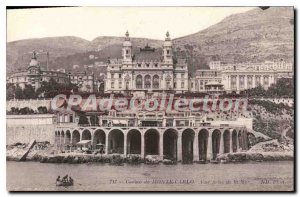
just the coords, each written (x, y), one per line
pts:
(3, 5)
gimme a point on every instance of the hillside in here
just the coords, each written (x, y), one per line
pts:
(256, 35)
(253, 36)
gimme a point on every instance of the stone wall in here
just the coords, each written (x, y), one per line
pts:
(24, 128)
(30, 103)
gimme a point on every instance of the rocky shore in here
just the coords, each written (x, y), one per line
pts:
(45, 153)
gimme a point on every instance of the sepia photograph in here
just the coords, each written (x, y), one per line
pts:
(150, 99)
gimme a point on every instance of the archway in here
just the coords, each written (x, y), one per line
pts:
(134, 142)
(152, 142)
(86, 135)
(155, 82)
(99, 139)
(75, 137)
(216, 138)
(116, 142)
(187, 145)
(68, 137)
(170, 144)
(234, 140)
(139, 82)
(202, 141)
(226, 138)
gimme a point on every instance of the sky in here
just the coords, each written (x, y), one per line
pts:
(91, 22)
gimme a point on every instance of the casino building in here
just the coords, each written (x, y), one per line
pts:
(149, 71)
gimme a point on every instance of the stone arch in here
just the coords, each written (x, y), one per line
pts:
(116, 141)
(99, 138)
(134, 143)
(155, 82)
(147, 81)
(86, 135)
(203, 142)
(170, 144)
(226, 138)
(139, 82)
(68, 137)
(216, 139)
(234, 140)
(75, 137)
(188, 136)
(152, 142)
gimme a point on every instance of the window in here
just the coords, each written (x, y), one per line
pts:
(112, 85)
(156, 65)
(120, 75)
(127, 51)
(120, 85)
(139, 65)
(168, 52)
(147, 65)
(192, 85)
(182, 84)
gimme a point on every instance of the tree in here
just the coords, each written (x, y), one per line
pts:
(94, 120)
(19, 92)
(29, 92)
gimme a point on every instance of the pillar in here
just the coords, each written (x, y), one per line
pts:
(106, 143)
(142, 146)
(209, 147)
(125, 144)
(161, 145)
(246, 82)
(222, 143)
(253, 81)
(237, 142)
(230, 142)
(179, 147)
(196, 148)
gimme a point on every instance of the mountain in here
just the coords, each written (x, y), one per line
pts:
(254, 36)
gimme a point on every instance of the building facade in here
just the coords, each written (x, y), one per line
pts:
(148, 71)
(239, 77)
(36, 73)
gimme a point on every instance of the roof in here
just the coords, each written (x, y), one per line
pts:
(148, 54)
(83, 142)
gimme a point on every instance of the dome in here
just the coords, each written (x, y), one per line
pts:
(33, 62)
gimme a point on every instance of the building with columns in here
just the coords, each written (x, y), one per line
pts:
(239, 77)
(149, 71)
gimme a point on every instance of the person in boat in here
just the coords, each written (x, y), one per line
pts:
(70, 180)
(58, 179)
(65, 178)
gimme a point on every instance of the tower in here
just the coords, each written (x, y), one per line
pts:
(167, 50)
(127, 49)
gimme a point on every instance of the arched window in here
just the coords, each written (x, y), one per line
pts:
(139, 82)
(156, 81)
(147, 81)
